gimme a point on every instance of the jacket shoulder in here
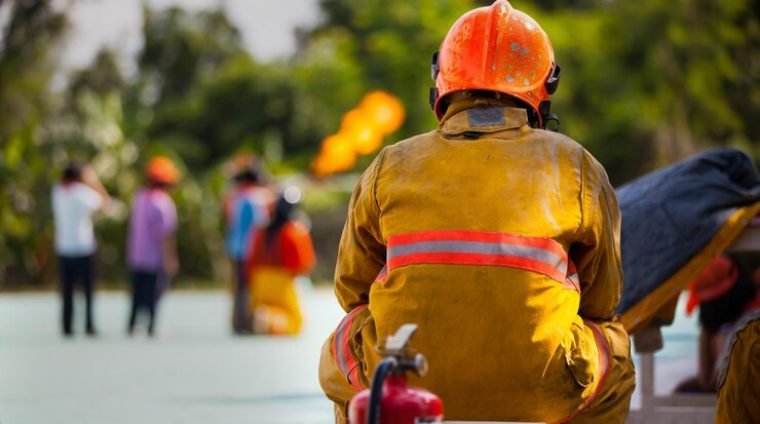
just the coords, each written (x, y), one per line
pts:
(410, 147)
(560, 139)
(570, 147)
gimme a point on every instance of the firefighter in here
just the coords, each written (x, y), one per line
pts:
(738, 390)
(499, 239)
(734, 308)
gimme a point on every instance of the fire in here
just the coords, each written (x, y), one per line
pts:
(361, 132)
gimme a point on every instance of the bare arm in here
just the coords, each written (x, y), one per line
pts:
(171, 262)
(91, 180)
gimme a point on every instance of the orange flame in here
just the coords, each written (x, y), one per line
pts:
(361, 132)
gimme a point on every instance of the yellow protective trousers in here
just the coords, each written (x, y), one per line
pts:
(501, 242)
(346, 356)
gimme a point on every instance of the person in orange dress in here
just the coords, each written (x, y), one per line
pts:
(279, 254)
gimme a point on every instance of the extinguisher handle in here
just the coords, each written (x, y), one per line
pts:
(397, 343)
(386, 367)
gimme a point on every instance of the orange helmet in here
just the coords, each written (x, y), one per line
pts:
(713, 282)
(496, 48)
(161, 169)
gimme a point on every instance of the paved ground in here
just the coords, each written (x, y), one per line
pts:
(194, 372)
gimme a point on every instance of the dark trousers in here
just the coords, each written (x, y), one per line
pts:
(73, 269)
(241, 322)
(145, 293)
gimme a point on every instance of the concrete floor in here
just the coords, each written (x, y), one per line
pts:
(195, 371)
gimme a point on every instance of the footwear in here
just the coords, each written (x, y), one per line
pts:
(261, 318)
(91, 332)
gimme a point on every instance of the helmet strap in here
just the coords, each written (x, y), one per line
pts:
(434, 70)
(549, 120)
(552, 81)
(432, 97)
(547, 117)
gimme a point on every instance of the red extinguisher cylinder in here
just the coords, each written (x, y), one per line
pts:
(399, 404)
(390, 400)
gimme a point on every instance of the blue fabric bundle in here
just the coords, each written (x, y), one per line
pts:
(669, 215)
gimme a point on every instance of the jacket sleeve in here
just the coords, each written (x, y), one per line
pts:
(361, 254)
(596, 252)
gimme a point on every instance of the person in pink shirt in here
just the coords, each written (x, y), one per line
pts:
(151, 243)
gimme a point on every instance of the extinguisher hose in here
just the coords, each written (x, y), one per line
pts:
(384, 368)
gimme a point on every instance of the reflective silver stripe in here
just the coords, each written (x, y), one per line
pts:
(483, 248)
(340, 335)
(382, 275)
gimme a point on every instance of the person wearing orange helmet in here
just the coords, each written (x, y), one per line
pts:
(499, 239)
(151, 243)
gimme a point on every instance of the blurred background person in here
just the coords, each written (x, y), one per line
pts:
(151, 244)
(75, 199)
(723, 292)
(279, 254)
(245, 210)
(201, 80)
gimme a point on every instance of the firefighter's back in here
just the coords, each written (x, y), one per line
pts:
(478, 226)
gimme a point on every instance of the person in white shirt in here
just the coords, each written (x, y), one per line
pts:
(75, 199)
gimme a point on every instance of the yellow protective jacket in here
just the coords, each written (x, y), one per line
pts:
(738, 390)
(502, 243)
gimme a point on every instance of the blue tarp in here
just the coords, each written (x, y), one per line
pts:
(669, 215)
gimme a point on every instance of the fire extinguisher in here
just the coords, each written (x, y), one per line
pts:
(390, 400)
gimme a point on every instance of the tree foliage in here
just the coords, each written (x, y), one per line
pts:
(644, 83)
(26, 66)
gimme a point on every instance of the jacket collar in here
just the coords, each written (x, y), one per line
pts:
(481, 116)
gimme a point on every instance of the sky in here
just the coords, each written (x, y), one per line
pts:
(267, 26)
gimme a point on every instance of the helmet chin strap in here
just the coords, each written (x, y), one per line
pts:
(549, 120)
(549, 126)
(544, 108)
(432, 97)
(434, 70)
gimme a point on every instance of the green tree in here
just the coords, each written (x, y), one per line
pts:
(181, 48)
(644, 83)
(691, 64)
(208, 95)
(27, 52)
(383, 45)
(102, 77)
